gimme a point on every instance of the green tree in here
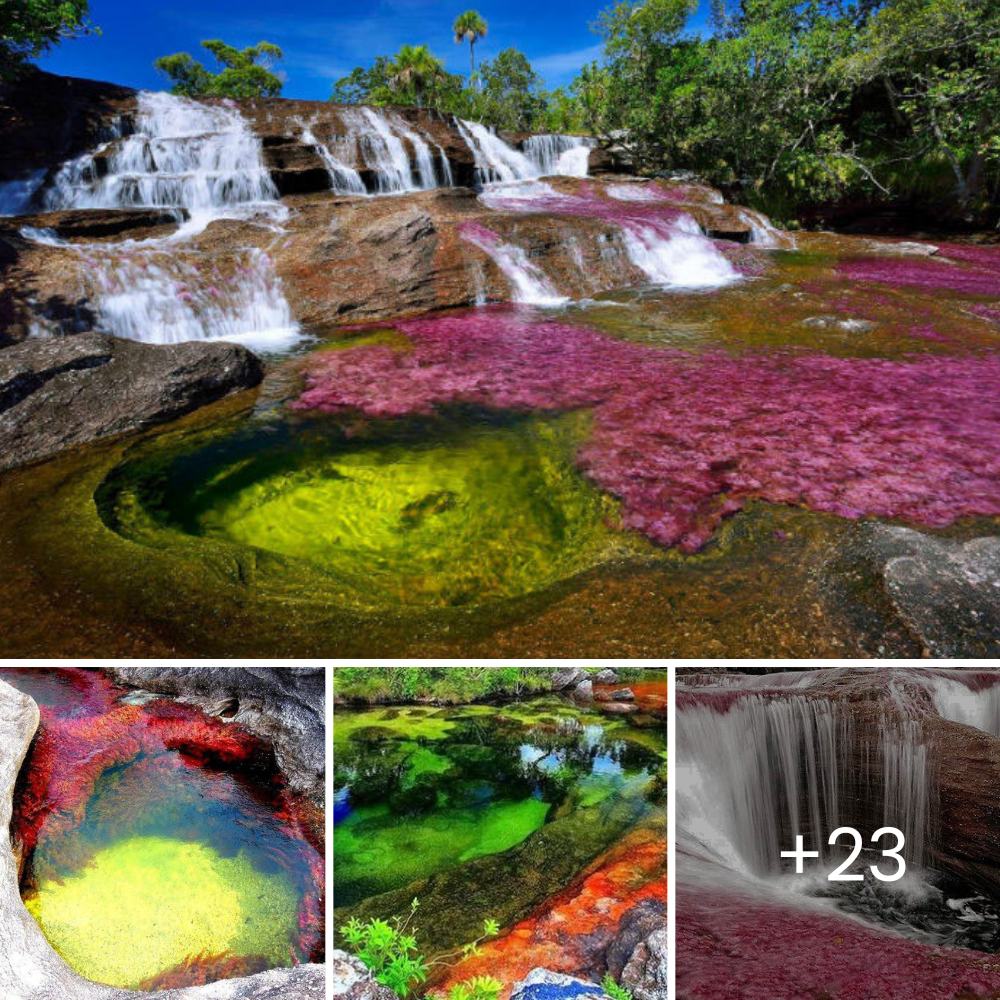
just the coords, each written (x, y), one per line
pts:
(938, 63)
(359, 85)
(243, 72)
(415, 67)
(470, 27)
(30, 27)
(511, 95)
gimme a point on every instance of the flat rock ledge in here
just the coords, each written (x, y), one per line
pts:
(60, 392)
(29, 967)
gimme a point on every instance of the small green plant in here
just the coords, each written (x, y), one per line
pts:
(479, 988)
(613, 990)
(389, 952)
(395, 959)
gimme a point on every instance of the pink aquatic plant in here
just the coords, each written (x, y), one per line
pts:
(977, 274)
(685, 440)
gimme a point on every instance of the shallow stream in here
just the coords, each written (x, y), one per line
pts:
(483, 811)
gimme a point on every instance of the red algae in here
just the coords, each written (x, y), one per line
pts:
(683, 441)
(977, 274)
(91, 732)
(730, 948)
(572, 930)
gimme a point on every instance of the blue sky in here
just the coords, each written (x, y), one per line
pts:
(324, 41)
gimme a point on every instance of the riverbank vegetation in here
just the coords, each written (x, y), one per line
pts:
(451, 685)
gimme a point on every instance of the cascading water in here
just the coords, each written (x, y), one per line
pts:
(381, 150)
(974, 706)
(666, 245)
(566, 155)
(184, 155)
(528, 284)
(16, 196)
(343, 179)
(762, 232)
(203, 160)
(759, 774)
(495, 160)
(421, 154)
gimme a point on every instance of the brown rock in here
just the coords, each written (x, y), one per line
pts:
(61, 392)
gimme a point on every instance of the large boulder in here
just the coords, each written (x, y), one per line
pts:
(567, 677)
(60, 392)
(946, 591)
(635, 927)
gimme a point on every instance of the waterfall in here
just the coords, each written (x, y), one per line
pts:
(198, 157)
(666, 244)
(16, 197)
(421, 153)
(762, 232)
(381, 150)
(184, 155)
(566, 155)
(752, 778)
(762, 773)
(676, 253)
(528, 284)
(957, 702)
(343, 179)
(495, 160)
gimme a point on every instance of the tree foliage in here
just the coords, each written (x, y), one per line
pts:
(470, 27)
(30, 27)
(242, 72)
(797, 101)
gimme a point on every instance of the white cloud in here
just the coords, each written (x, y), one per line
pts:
(561, 65)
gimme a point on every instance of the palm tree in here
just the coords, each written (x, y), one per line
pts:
(470, 27)
(417, 65)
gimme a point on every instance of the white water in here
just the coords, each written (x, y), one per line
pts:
(185, 155)
(676, 254)
(529, 285)
(672, 252)
(421, 153)
(543, 155)
(343, 179)
(566, 155)
(203, 159)
(495, 160)
(762, 232)
(635, 192)
(753, 777)
(16, 196)
(955, 701)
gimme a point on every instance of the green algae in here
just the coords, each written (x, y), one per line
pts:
(146, 904)
(544, 780)
(472, 513)
(376, 852)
